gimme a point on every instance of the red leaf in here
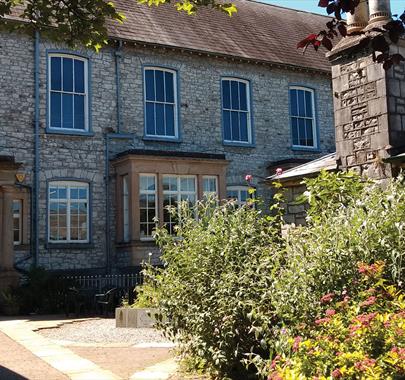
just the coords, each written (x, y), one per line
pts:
(327, 43)
(305, 42)
(397, 58)
(323, 3)
(342, 29)
(388, 64)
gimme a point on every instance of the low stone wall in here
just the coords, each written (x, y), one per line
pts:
(134, 317)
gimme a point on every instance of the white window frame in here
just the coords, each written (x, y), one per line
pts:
(240, 188)
(125, 208)
(86, 92)
(313, 118)
(68, 201)
(19, 216)
(206, 194)
(248, 112)
(175, 103)
(147, 192)
(179, 192)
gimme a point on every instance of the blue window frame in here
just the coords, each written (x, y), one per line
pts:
(236, 117)
(160, 95)
(303, 118)
(67, 92)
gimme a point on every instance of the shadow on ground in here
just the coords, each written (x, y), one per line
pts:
(7, 374)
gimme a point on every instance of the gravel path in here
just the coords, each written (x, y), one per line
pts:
(102, 331)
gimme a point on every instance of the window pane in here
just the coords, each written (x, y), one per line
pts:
(235, 126)
(243, 126)
(301, 131)
(226, 94)
(169, 183)
(235, 95)
(74, 193)
(308, 103)
(294, 126)
(309, 132)
(79, 76)
(83, 234)
(227, 125)
(150, 84)
(160, 89)
(56, 110)
(169, 86)
(150, 119)
(56, 73)
(169, 120)
(143, 200)
(79, 111)
(294, 104)
(243, 195)
(243, 96)
(151, 183)
(82, 193)
(67, 74)
(160, 119)
(67, 109)
(53, 193)
(301, 103)
(62, 192)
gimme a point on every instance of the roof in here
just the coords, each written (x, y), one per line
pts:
(165, 153)
(328, 162)
(258, 31)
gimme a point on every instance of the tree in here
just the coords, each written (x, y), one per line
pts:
(376, 38)
(81, 22)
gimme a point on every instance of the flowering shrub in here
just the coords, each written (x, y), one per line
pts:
(355, 338)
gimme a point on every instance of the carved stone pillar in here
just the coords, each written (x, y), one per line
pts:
(359, 20)
(380, 11)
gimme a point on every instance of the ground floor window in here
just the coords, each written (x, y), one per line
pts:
(17, 221)
(238, 193)
(68, 212)
(148, 185)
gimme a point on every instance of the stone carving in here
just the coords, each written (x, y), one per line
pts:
(358, 95)
(344, 69)
(361, 143)
(357, 78)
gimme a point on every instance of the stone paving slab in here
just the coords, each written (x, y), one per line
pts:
(160, 371)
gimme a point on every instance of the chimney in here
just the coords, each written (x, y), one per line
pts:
(358, 21)
(369, 102)
(380, 12)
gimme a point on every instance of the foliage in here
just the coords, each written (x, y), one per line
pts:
(9, 297)
(361, 334)
(82, 22)
(42, 292)
(209, 284)
(379, 43)
(231, 284)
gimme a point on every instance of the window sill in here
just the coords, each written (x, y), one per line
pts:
(69, 245)
(238, 144)
(161, 138)
(65, 132)
(305, 149)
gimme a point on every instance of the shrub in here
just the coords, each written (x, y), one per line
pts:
(231, 284)
(355, 338)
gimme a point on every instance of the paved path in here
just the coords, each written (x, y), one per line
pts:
(25, 354)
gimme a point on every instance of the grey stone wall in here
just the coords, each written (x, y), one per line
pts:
(83, 157)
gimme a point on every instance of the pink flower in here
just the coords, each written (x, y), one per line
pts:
(296, 345)
(322, 321)
(248, 178)
(330, 312)
(370, 301)
(336, 374)
(327, 298)
(279, 171)
(364, 364)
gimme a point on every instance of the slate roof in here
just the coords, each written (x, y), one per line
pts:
(257, 32)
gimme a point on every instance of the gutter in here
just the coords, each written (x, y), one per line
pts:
(118, 55)
(35, 195)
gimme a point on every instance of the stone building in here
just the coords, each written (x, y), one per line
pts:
(369, 109)
(176, 106)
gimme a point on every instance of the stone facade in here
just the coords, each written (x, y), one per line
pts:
(63, 156)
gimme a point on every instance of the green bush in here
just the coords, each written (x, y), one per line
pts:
(354, 338)
(231, 284)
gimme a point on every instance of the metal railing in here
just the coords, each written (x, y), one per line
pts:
(103, 282)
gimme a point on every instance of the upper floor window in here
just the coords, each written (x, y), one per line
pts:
(161, 117)
(68, 212)
(68, 92)
(236, 111)
(303, 121)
